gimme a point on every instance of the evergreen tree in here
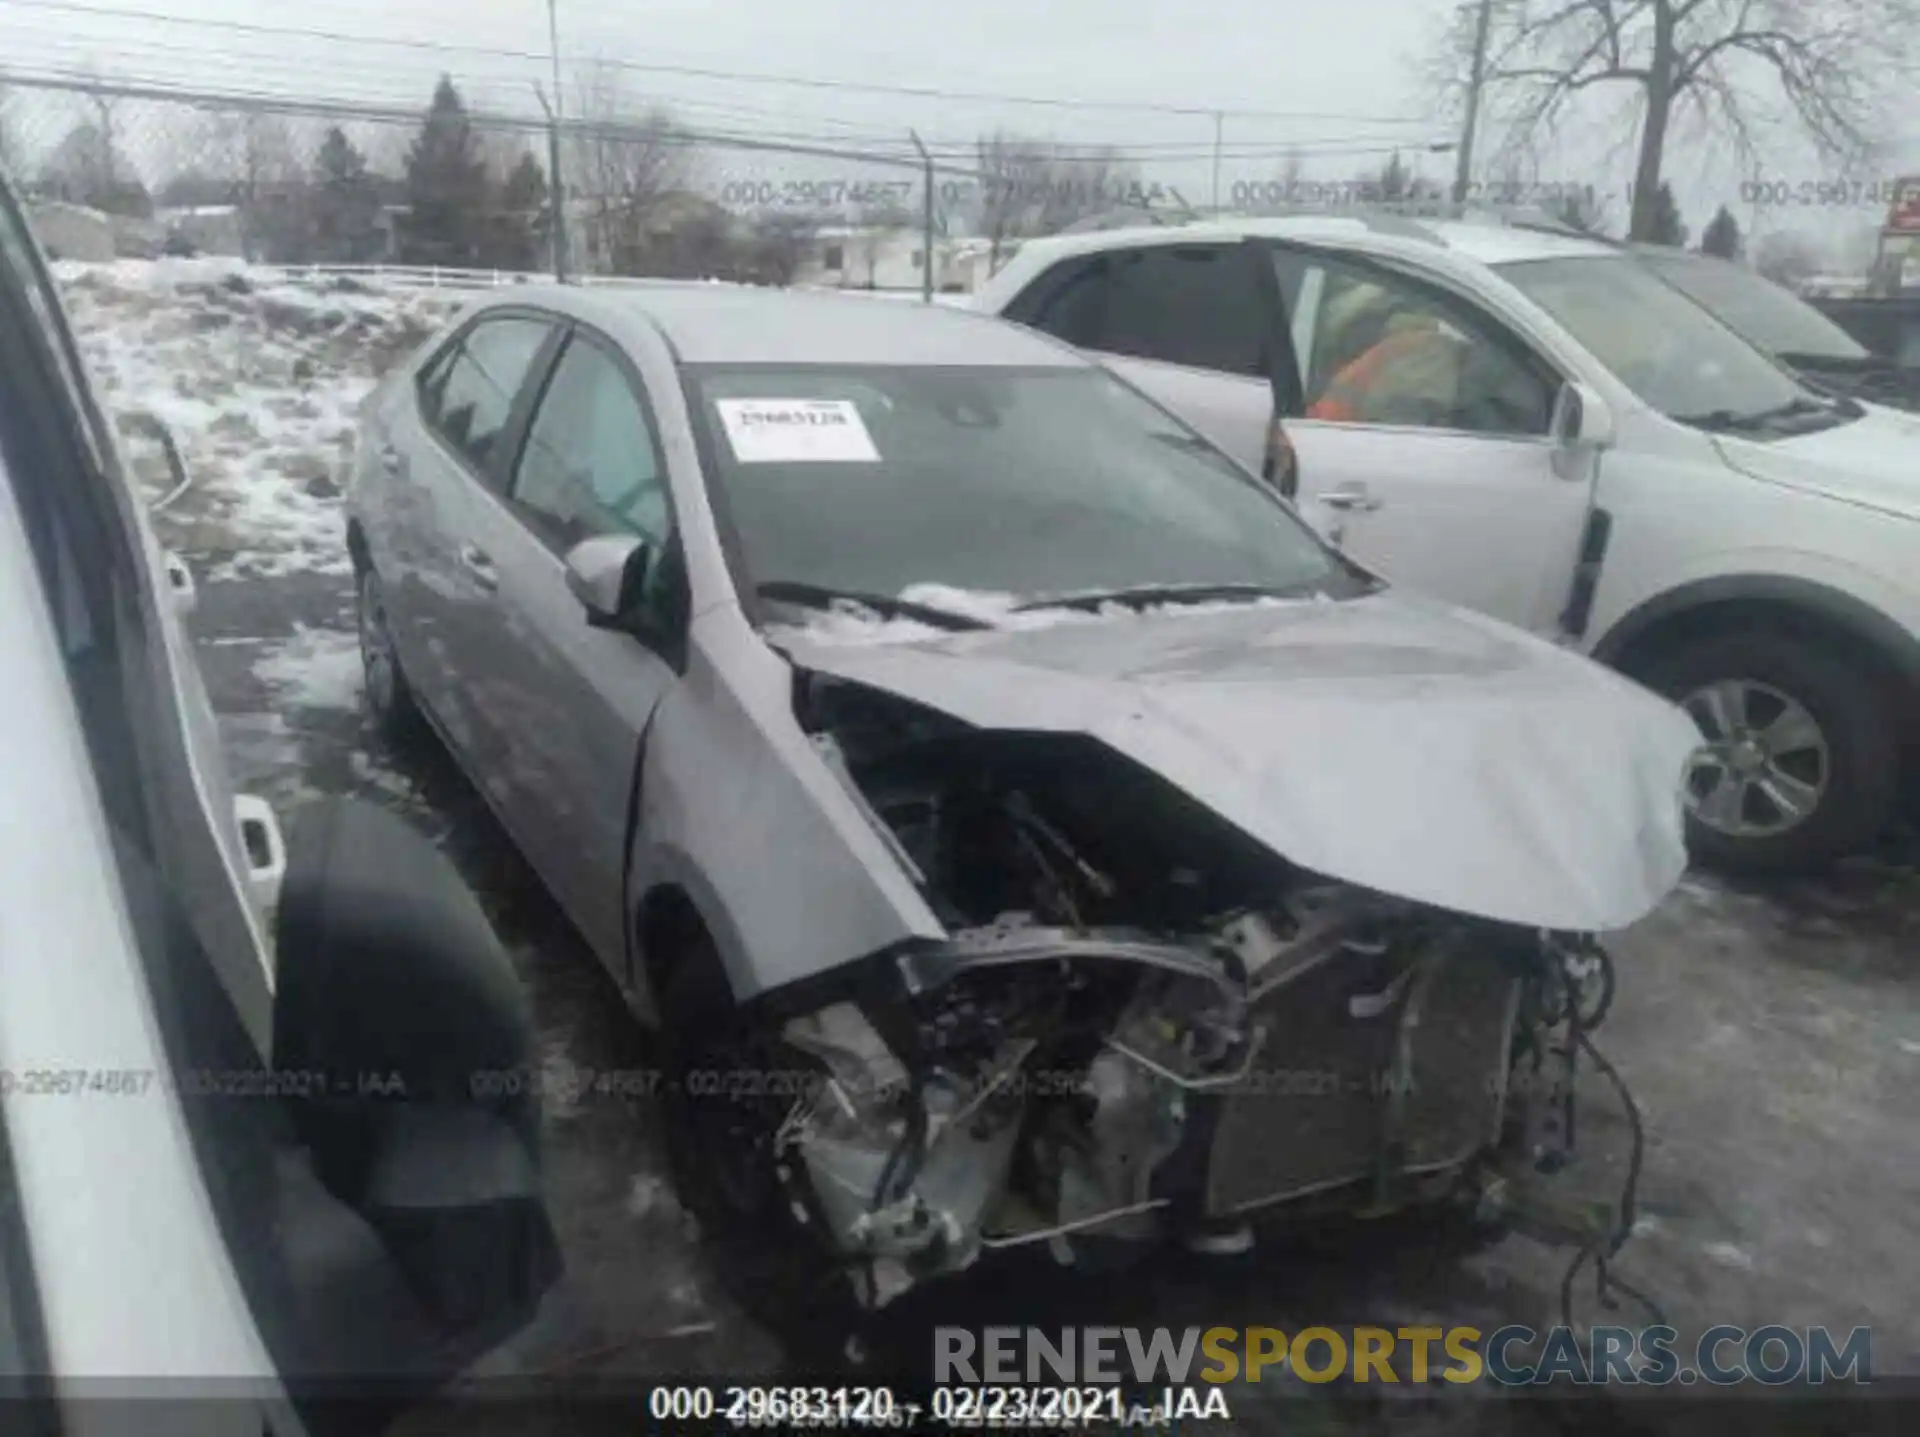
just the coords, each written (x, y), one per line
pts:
(1668, 227)
(345, 203)
(1722, 235)
(447, 186)
(521, 227)
(1396, 180)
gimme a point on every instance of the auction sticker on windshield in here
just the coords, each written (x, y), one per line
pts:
(791, 431)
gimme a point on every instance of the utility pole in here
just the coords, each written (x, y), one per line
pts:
(926, 219)
(557, 186)
(1219, 121)
(1463, 161)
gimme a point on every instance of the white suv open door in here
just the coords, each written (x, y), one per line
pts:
(1423, 427)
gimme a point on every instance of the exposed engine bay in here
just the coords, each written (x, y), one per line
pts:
(1145, 1024)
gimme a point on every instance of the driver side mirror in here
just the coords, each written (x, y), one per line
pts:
(1581, 418)
(608, 575)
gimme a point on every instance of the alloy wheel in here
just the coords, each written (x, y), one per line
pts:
(1764, 766)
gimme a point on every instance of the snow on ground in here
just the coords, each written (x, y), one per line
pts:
(315, 669)
(258, 377)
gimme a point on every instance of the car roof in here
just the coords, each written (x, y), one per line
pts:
(1484, 241)
(1671, 254)
(712, 323)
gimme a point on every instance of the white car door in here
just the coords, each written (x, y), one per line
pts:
(1425, 448)
(1187, 323)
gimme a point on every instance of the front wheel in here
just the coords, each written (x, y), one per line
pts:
(1799, 764)
(727, 1095)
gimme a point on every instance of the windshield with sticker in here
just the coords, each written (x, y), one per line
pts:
(1022, 482)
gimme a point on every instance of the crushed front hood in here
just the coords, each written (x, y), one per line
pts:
(1391, 742)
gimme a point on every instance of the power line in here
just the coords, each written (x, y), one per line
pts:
(530, 124)
(527, 124)
(929, 92)
(958, 147)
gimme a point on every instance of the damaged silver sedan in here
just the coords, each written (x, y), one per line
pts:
(1022, 827)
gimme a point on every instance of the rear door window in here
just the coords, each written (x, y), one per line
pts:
(1067, 302)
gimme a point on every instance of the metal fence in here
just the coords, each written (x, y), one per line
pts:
(134, 169)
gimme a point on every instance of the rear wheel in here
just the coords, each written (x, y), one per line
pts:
(390, 703)
(1800, 761)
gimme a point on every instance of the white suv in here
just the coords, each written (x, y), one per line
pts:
(1535, 426)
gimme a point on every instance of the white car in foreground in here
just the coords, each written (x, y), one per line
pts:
(241, 1189)
(1535, 426)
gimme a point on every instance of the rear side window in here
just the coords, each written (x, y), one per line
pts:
(1188, 304)
(467, 393)
(1068, 302)
(1197, 305)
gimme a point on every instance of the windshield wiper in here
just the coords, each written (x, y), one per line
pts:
(823, 596)
(1841, 363)
(1733, 422)
(1146, 594)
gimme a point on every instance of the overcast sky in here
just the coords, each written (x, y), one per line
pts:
(1339, 82)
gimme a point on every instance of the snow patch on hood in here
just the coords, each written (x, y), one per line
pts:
(258, 376)
(1389, 741)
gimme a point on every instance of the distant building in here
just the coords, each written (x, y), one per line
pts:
(1833, 286)
(137, 238)
(852, 257)
(1897, 270)
(67, 231)
(205, 229)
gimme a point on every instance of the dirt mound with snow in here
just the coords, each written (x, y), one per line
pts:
(258, 377)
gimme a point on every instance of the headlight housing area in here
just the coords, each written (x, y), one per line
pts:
(1094, 1091)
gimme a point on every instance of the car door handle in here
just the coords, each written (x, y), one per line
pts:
(1351, 497)
(390, 459)
(479, 565)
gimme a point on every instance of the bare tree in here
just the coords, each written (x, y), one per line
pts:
(1006, 163)
(1035, 187)
(1701, 56)
(84, 168)
(255, 151)
(1786, 257)
(622, 160)
(874, 226)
